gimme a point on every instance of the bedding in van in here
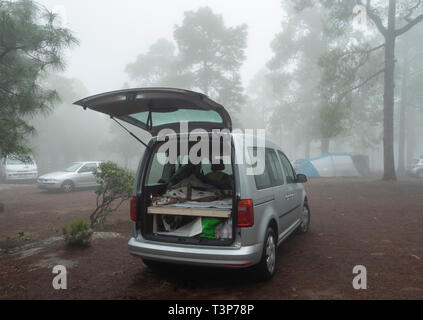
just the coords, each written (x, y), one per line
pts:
(193, 191)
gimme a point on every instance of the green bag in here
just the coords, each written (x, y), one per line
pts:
(209, 227)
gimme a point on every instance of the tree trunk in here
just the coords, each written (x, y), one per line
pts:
(307, 148)
(325, 145)
(411, 134)
(388, 98)
(403, 112)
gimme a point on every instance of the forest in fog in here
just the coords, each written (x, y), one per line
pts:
(343, 76)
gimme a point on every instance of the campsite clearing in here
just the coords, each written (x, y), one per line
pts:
(354, 222)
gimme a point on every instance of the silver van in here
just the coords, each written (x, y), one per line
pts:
(212, 212)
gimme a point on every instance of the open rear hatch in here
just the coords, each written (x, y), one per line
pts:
(154, 109)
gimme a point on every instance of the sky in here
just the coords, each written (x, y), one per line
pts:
(113, 33)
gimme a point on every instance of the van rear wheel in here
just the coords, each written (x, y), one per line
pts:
(267, 267)
(305, 220)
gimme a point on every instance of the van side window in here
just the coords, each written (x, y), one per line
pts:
(289, 172)
(272, 175)
(263, 181)
(275, 165)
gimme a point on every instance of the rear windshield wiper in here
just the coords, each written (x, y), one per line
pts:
(132, 134)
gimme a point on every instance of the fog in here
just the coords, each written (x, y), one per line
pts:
(281, 80)
(114, 33)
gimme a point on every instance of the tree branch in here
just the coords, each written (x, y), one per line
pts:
(9, 92)
(347, 53)
(376, 48)
(362, 84)
(411, 11)
(10, 49)
(409, 26)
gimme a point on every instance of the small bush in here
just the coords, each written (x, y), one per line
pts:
(77, 233)
(114, 188)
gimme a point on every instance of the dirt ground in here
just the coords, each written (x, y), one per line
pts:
(354, 222)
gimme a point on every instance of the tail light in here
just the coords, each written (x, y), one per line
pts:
(245, 213)
(134, 209)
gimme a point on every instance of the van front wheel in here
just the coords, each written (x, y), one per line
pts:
(267, 266)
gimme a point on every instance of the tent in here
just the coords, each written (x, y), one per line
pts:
(329, 165)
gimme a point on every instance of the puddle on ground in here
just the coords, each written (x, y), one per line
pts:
(31, 249)
(51, 260)
(106, 235)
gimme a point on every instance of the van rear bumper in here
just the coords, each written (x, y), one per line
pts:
(229, 257)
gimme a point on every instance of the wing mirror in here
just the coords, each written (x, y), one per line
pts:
(301, 178)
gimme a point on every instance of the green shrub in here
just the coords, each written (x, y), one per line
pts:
(78, 233)
(114, 188)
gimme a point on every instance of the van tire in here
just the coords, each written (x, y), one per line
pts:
(67, 186)
(267, 267)
(305, 217)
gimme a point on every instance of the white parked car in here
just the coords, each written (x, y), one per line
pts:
(77, 175)
(13, 168)
(415, 168)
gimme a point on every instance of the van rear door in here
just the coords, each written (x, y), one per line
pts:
(154, 109)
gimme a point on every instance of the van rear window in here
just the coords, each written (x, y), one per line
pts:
(159, 173)
(181, 115)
